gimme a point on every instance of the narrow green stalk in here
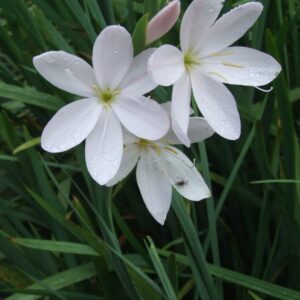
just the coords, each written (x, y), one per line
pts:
(131, 15)
(194, 244)
(110, 16)
(210, 206)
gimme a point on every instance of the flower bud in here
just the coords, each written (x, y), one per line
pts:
(163, 21)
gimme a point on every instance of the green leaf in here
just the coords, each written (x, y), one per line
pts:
(59, 281)
(55, 246)
(83, 18)
(160, 271)
(139, 35)
(31, 143)
(255, 284)
(267, 288)
(295, 94)
(194, 248)
(275, 181)
(29, 96)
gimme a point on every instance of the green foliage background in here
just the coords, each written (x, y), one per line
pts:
(62, 236)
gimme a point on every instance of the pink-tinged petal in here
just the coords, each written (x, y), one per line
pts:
(166, 65)
(230, 27)
(142, 116)
(217, 105)
(67, 72)
(104, 148)
(183, 175)
(180, 108)
(163, 21)
(242, 66)
(155, 189)
(198, 18)
(138, 81)
(112, 56)
(131, 154)
(71, 125)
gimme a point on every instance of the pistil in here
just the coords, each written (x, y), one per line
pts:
(105, 96)
(190, 61)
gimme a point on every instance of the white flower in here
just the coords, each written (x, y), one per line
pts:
(112, 95)
(206, 62)
(161, 166)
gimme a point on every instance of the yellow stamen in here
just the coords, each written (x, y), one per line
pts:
(144, 144)
(105, 96)
(170, 149)
(226, 64)
(223, 53)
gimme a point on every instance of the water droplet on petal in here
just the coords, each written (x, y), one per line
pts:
(69, 72)
(51, 59)
(251, 74)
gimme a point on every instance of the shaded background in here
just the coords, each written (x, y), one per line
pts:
(251, 225)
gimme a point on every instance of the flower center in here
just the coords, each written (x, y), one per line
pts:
(144, 144)
(190, 61)
(105, 96)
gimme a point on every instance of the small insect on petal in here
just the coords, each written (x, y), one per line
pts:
(181, 182)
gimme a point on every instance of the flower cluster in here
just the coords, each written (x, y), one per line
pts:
(123, 127)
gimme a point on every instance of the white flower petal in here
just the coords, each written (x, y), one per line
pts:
(197, 19)
(104, 147)
(180, 108)
(183, 175)
(171, 138)
(71, 125)
(138, 81)
(243, 66)
(166, 65)
(167, 107)
(67, 72)
(155, 189)
(128, 137)
(217, 105)
(230, 27)
(198, 131)
(112, 56)
(143, 117)
(131, 154)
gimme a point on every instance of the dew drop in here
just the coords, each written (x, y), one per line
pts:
(114, 164)
(51, 59)
(251, 74)
(116, 51)
(69, 72)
